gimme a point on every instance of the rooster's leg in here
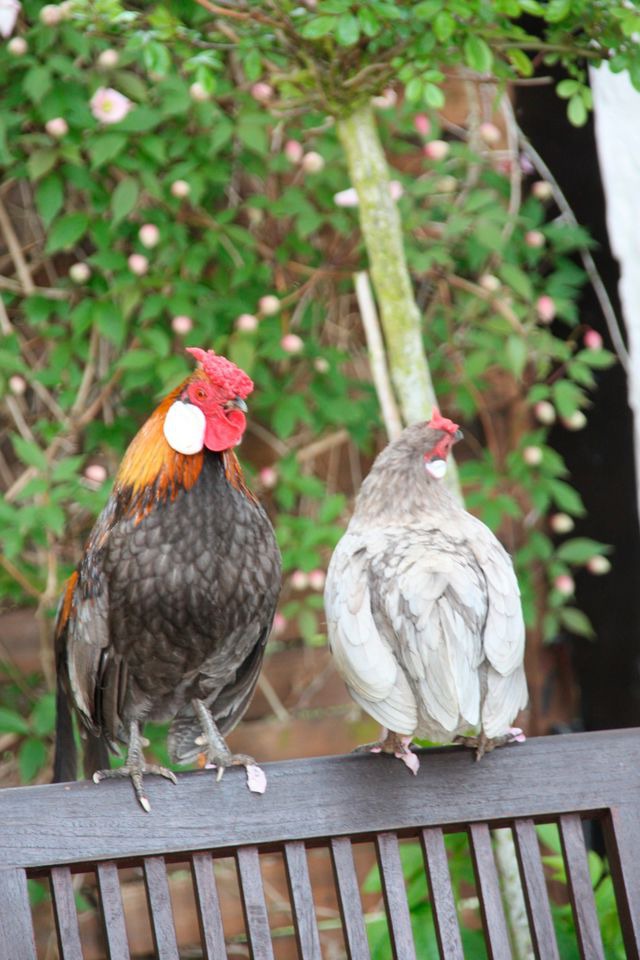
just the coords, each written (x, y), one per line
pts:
(217, 752)
(483, 744)
(395, 743)
(135, 766)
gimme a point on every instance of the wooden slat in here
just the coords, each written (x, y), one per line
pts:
(349, 900)
(304, 913)
(16, 927)
(253, 903)
(395, 895)
(534, 887)
(622, 837)
(65, 913)
(445, 917)
(102, 822)
(493, 919)
(208, 906)
(115, 931)
(160, 911)
(580, 889)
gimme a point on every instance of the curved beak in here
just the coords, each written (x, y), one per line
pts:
(458, 435)
(239, 403)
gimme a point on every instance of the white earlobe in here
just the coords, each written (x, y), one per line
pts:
(184, 427)
(437, 468)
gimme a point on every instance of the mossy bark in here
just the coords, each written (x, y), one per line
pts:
(382, 232)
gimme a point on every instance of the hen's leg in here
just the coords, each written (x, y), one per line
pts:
(482, 744)
(217, 752)
(395, 743)
(135, 766)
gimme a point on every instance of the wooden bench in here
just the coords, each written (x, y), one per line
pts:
(335, 803)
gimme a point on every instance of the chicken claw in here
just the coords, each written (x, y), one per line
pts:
(135, 767)
(395, 743)
(217, 753)
(483, 744)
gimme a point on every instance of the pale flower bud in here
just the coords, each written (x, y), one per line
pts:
(534, 239)
(279, 623)
(268, 477)
(51, 14)
(317, 579)
(545, 412)
(80, 272)
(321, 364)
(95, 473)
(138, 264)
(577, 421)
(490, 133)
(17, 384)
(269, 305)
(182, 325)
(592, 340)
(292, 343)
(149, 235)
(564, 584)
(312, 162)
(542, 189)
(299, 580)
(261, 91)
(422, 124)
(598, 565)
(180, 189)
(561, 523)
(198, 92)
(17, 46)
(246, 323)
(489, 282)
(532, 456)
(436, 149)
(545, 308)
(293, 151)
(108, 59)
(57, 127)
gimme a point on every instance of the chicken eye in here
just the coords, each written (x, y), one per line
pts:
(200, 393)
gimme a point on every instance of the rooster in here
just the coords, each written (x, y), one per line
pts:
(423, 608)
(167, 614)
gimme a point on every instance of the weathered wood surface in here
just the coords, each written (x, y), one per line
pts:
(355, 795)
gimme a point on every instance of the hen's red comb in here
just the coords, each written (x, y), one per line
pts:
(438, 422)
(223, 373)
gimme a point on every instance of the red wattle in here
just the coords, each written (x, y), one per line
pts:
(224, 432)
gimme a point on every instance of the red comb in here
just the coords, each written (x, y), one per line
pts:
(438, 422)
(223, 373)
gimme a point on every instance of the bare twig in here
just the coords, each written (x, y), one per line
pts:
(377, 356)
(15, 250)
(489, 296)
(318, 447)
(19, 577)
(272, 698)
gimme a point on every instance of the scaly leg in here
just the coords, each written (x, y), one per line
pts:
(217, 752)
(135, 766)
(482, 744)
(397, 744)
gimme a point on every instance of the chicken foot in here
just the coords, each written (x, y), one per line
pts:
(483, 744)
(397, 744)
(135, 767)
(217, 752)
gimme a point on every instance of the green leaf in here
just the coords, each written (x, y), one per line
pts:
(580, 550)
(517, 279)
(66, 232)
(29, 452)
(517, 351)
(137, 360)
(31, 758)
(433, 96)
(557, 10)
(477, 54)
(106, 147)
(43, 717)
(110, 321)
(37, 83)
(577, 111)
(318, 27)
(520, 61)
(414, 88)
(566, 498)
(347, 30)
(368, 21)
(567, 397)
(40, 162)
(576, 622)
(124, 199)
(12, 722)
(598, 359)
(444, 26)
(567, 88)
(49, 198)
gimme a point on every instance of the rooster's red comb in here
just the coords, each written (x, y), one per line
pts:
(438, 422)
(223, 373)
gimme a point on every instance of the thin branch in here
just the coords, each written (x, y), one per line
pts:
(19, 577)
(318, 447)
(377, 356)
(588, 262)
(272, 698)
(49, 293)
(15, 250)
(499, 305)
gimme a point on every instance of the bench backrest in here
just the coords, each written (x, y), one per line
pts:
(336, 803)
